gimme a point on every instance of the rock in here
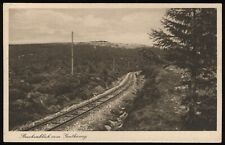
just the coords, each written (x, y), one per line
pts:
(98, 89)
(134, 92)
(118, 127)
(113, 123)
(198, 113)
(108, 128)
(97, 78)
(116, 112)
(123, 116)
(122, 108)
(119, 119)
(198, 102)
(183, 109)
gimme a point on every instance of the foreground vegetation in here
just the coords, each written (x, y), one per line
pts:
(183, 99)
(41, 83)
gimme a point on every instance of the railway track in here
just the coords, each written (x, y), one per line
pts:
(76, 113)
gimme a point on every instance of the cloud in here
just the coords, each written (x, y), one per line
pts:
(55, 25)
(92, 21)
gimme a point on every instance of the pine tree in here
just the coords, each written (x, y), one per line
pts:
(189, 37)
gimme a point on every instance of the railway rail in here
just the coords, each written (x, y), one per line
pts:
(63, 119)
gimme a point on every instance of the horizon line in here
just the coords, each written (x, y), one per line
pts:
(24, 43)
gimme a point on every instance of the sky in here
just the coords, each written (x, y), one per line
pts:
(111, 24)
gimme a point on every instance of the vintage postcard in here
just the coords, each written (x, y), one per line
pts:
(112, 72)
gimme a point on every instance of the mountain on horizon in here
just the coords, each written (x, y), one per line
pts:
(95, 43)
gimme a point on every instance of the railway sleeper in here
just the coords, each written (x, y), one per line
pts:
(92, 105)
(75, 113)
(69, 115)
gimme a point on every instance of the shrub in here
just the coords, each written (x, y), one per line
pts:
(15, 94)
(36, 79)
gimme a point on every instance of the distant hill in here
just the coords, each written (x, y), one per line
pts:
(114, 45)
(94, 43)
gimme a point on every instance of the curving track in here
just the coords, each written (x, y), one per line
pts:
(71, 115)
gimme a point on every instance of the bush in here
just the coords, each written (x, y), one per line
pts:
(25, 87)
(16, 94)
(202, 116)
(44, 89)
(61, 88)
(35, 79)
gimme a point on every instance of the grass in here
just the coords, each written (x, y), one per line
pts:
(156, 105)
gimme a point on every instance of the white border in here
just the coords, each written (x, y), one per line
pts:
(116, 136)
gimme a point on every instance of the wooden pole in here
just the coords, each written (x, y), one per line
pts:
(114, 64)
(72, 55)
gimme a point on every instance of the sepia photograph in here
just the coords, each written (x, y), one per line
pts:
(123, 72)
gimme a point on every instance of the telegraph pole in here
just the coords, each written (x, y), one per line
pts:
(113, 64)
(72, 55)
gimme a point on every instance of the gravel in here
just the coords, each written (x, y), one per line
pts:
(104, 118)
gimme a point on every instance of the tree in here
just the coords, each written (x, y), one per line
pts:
(189, 37)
